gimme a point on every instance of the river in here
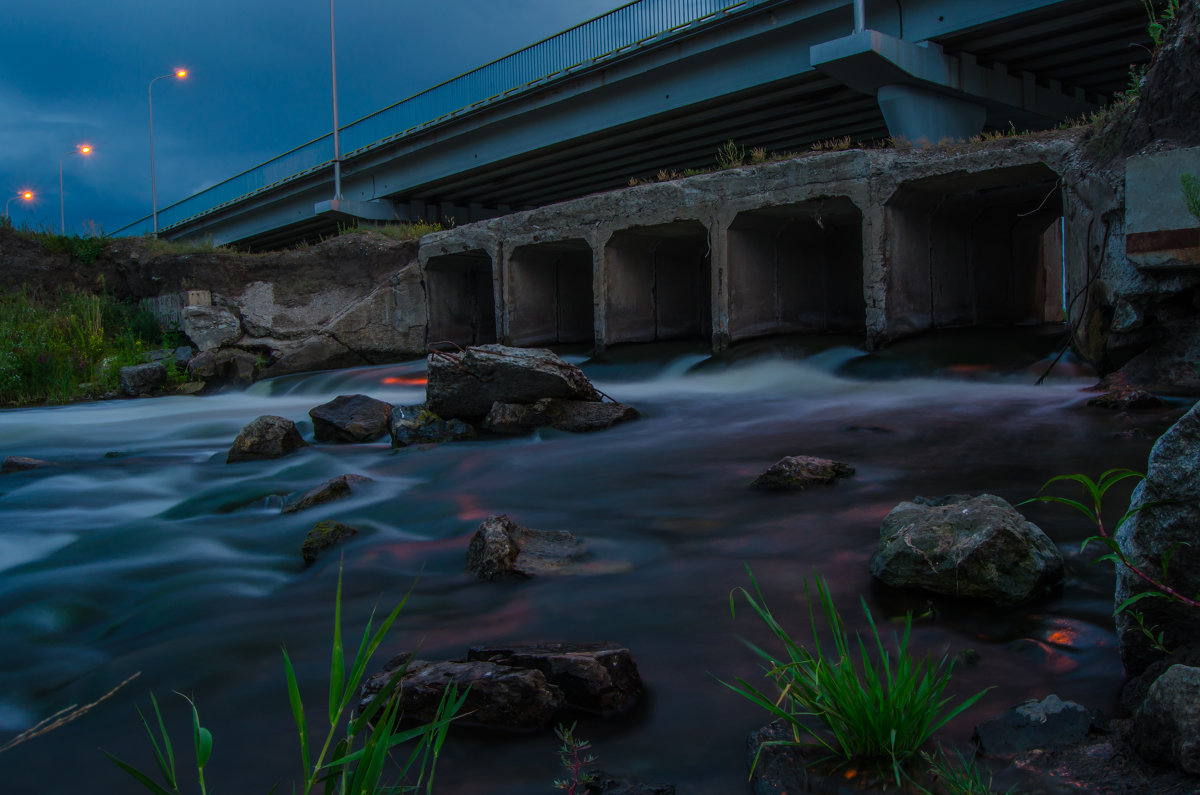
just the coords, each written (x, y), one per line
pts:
(144, 551)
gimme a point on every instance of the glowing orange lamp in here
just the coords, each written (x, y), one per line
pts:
(80, 149)
(180, 74)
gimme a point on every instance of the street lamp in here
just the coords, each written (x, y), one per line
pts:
(81, 149)
(337, 149)
(179, 74)
(25, 195)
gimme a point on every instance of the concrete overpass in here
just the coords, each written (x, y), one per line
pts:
(659, 84)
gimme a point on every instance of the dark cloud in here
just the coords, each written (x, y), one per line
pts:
(74, 72)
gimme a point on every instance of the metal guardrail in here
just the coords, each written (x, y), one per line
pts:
(623, 30)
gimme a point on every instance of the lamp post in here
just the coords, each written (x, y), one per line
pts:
(337, 149)
(81, 149)
(25, 195)
(179, 74)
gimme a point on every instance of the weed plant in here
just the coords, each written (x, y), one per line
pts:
(858, 701)
(960, 775)
(352, 757)
(1191, 193)
(71, 345)
(574, 756)
(730, 155)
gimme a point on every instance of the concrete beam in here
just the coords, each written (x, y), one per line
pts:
(1160, 232)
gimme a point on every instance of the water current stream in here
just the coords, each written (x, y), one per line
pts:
(144, 551)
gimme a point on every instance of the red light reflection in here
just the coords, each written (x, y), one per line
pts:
(405, 380)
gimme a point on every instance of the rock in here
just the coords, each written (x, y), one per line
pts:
(604, 783)
(781, 767)
(191, 388)
(203, 365)
(419, 425)
(1118, 393)
(140, 379)
(1167, 726)
(517, 699)
(237, 366)
(1135, 689)
(323, 536)
(1168, 107)
(970, 547)
(576, 416)
(503, 550)
(798, 472)
(351, 418)
(1049, 723)
(209, 327)
(467, 384)
(266, 437)
(330, 490)
(600, 678)
(16, 463)
(1166, 524)
(182, 355)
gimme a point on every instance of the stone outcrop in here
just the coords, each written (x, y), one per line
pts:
(418, 425)
(333, 489)
(1165, 526)
(210, 327)
(466, 384)
(351, 419)
(503, 550)
(142, 379)
(1044, 724)
(968, 547)
(17, 463)
(798, 472)
(576, 416)
(264, 438)
(1167, 726)
(600, 678)
(323, 536)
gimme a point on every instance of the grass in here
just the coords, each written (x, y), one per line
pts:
(71, 345)
(858, 701)
(1190, 185)
(960, 775)
(357, 747)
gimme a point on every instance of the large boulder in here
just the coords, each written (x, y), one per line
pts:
(351, 418)
(467, 384)
(266, 437)
(576, 416)
(1167, 726)
(970, 547)
(332, 489)
(798, 472)
(1164, 527)
(600, 678)
(141, 379)
(1168, 108)
(418, 425)
(501, 549)
(501, 697)
(209, 327)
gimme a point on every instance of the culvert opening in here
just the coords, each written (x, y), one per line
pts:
(796, 269)
(658, 284)
(462, 308)
(975, 250)
(550, 293)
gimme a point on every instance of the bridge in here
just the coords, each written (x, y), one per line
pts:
(659, 85)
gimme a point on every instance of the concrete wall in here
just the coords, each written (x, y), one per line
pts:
(883, 242)
(461, 298)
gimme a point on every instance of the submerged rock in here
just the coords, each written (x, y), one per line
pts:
(351, 419)
(600, 678)
(971, 547)
(330, 490)
(501, 697)
(1118, 393)
(467, 384)
(266, 437)
(1049, 723)
(576, 416)
(418, 425)
(16, 463)
(798, 472)
(324, 535)
(503, 550)
(605, 783)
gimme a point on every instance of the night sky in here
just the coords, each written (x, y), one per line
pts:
(76, 72)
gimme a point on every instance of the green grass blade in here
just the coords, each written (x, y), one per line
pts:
(139, 776)
(165, 757)
(337, 666)
(293, 688)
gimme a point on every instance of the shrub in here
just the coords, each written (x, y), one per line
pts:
(872, 706)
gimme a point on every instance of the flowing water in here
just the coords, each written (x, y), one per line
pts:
(144, 551)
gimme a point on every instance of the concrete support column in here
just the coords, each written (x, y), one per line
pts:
(718, 238)
(599, 290)
(920, 114)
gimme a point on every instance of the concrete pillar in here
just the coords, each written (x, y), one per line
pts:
(918, 114)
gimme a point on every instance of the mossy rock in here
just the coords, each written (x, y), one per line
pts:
(324, 535)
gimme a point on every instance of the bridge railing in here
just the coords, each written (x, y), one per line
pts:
(616, 33)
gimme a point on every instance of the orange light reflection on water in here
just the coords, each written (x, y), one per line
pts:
(405, 380)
